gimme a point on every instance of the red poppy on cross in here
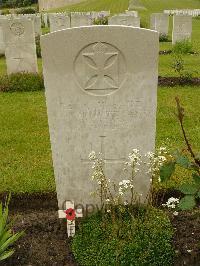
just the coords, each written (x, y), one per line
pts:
(70, 214)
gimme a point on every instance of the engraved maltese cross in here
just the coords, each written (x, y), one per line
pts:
(101, 69)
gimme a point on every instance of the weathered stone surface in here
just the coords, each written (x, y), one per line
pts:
(79, 19)
(101, 95)
(132, 13)
(59, 21)
(20, 46)
(123, 19)
(36, 18)
(182, 28)
(160, 23)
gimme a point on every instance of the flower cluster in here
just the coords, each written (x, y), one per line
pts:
(124, 185)
(98, 164)
(155, 161)
(171, 203)
(134, 160)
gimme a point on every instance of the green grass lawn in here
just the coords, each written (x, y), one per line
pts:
(25, 156)
(115, 6)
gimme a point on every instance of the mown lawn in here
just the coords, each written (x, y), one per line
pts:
(115, 6)
(25, 156)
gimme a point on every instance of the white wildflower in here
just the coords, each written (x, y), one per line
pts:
(171, 203)
(92, 156)
(189, 250)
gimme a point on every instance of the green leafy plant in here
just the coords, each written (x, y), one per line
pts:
(144, 238)
(7, 237)
(163, 38)
(178, 65)
(21, 82)
(189, 161)
(101, 20)
(124, 227)
(182, 47)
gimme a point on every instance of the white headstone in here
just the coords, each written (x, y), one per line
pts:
(59, 21)
(36, 18)
(132, 13)
(182, 28)
(20, 46)
(101, 95)
(81, 19)
(45, 19)
(126, 20)
(99, 14)
(2, 41)
(160, 23)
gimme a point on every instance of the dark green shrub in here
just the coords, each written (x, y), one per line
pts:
(182, 47)
(38, 48)
(5, 12)
(163, 38)
(16, 3)
(143, 239)
(21, 82)
(27, 10)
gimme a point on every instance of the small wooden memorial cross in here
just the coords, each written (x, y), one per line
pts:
(71, 224)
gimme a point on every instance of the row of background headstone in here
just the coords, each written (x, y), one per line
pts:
(182, 29)
(190, 12)
(182, 26)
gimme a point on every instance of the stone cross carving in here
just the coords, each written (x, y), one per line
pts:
(101, 68)
(19, 60)
(103, 154)
(17, 28)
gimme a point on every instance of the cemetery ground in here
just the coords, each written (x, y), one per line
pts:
(26, 164)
